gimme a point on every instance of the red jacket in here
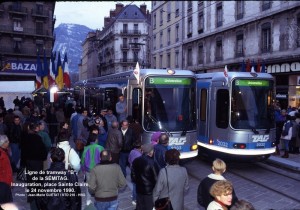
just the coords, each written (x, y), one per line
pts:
(6, 174)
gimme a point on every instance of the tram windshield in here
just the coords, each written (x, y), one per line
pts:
(169, 104)
(252, 104)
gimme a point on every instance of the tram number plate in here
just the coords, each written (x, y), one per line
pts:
(176, 147)
(260, 145)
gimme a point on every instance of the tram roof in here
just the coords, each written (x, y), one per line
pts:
(129, 75)
(220, 75)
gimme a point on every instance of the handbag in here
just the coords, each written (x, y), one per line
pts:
(164, 203)
(21, 176)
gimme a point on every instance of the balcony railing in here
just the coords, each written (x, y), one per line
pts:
(124, 46)
(22, 50)
(17, 9)
(26, 31)
(39, 13)
(130, 32)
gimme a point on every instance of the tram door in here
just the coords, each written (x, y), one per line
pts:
(111, 98)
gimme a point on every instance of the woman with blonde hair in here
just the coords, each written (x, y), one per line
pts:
(222, 193)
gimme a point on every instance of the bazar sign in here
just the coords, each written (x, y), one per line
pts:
(285, 67)
(19, 66)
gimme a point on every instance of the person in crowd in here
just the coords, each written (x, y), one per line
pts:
(62, 201)
(14, 136)
(17, 112)
(16, 101)
(144, 175)
(73, 122)
(2, 104)
(134, 153)
(9, 118)
(121, 108)
(46, 140)
(110, 117)
(128, 139)
(242, 205)
(82, 129)
(222, 193)
(102, 115)
(203, 196)
(155, 137)
(6, 174)
(60, 115)
(295, 126)
(102, 136)
(105, 180)
(297, 142)
(280, 118)
(286, 135)
(72, 160)
(90, 158)
(160, 150)
(172, 182)
(114, 141)
(3, 127)
(53, 124)
(136, 127)
(43, 119)
(34, 154)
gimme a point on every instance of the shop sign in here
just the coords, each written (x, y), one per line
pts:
(14, 66)
(284, 67)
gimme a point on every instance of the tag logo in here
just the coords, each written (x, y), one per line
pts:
(260, 138)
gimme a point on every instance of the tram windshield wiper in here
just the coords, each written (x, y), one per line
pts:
(158, 123)
(255, 131)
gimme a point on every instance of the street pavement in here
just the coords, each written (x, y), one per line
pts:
(125, 201)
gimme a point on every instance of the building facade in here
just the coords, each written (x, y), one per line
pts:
(124, 40)
(25, 27)
(239, 34)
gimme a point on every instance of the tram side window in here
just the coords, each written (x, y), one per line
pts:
(203, 104)
(137, 104)
(222, 108)
(111, 98)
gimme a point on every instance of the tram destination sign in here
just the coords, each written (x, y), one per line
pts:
(259, 83)
(169, 81)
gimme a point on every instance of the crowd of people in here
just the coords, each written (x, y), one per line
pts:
(105, 146)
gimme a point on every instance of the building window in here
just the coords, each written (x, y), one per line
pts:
(39, 27)
(125, 28)
(177, 33)
(154, 21)
(161, 61)
(169, 11)
(135, 56)
(154, 42)
(177, 8)
(190, 57)
(219, 14)
(39, 9)
(239, 10)
(200, 54)
(154, 62)
(40, 48)
(298, 30)
(168, 60)
(189, 6)
(266, 37)
(17, 45)
(161, 39)
(239, 45)
(200, 22)
(17, 25)
(219, 50)
(265, 5)
(200, 4)
(190, 27)
(124, 56)
(176, 59)
(136, 28)
(161, 16)
(169, 36)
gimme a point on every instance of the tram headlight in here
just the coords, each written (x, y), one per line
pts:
(194, 147)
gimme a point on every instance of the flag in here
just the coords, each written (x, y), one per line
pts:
(136, 71)
(39, 70)
(66, 72)
(248, 66)
(226, 74)
(258, 66)
(263, 67)
(52, 70)
(243, 67)
(45, 72)
(59, 79)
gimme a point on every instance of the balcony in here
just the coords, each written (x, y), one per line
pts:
(135, 46)
(22, 51)
(39, 13)
(125, 46)
(130, 32)
(14, 9)
(24, 31)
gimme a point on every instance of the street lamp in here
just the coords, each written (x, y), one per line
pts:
(53, 90)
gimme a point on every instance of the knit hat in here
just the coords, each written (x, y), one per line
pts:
(3, 139)
(147, 148)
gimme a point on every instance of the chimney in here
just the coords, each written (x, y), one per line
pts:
(119, 8)
(112, 13)
(106, 21)
(143, 8)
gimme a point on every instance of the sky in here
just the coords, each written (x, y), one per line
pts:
(88, 13)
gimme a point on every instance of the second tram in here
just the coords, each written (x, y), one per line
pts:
(235, 114)
(159, 99)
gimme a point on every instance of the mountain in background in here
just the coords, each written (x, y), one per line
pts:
(68, 39)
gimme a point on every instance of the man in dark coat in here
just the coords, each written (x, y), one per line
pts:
(160, 150)
(114, 141)
(128, 139)
(144, 175)
(14, 136)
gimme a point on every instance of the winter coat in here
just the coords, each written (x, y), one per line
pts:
(6, 174)
(114, 140)
(72, 159)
